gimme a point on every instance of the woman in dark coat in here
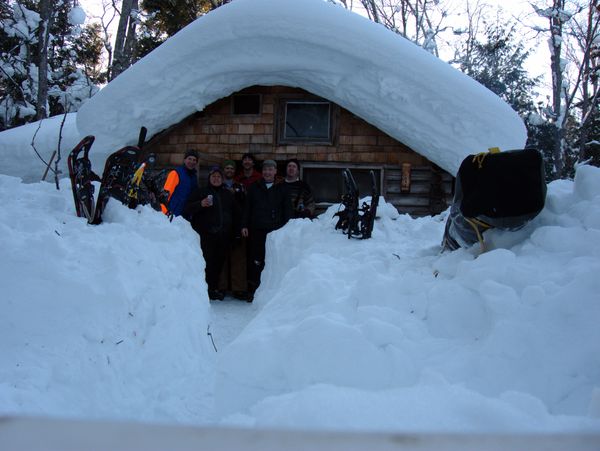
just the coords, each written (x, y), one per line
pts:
(214, 214)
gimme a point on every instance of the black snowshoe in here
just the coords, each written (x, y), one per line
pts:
(354, 221)
(503, 190)
(119, 170)
(82, 176)
(124, 178)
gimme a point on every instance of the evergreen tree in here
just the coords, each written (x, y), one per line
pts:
(498, 63)
(66, 50)
(162, 19)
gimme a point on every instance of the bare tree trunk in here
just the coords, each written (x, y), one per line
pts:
(46, 7)
(120, 62)
(371, 8)
(556, 28)
(589, 75)
(129, 47)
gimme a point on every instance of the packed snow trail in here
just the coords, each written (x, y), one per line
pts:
(227, 320)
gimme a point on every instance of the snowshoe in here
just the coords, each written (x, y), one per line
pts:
(119, 170)
(82, 176)
(354, 221)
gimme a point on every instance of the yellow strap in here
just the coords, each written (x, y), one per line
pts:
(478, 158)
(136, 180)
(475, 224)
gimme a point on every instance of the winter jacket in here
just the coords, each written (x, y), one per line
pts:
(180, 183)
(266, 208)
(223, 217)
(303, 202)
(247, 181)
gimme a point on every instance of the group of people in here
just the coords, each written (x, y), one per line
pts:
(233, 214)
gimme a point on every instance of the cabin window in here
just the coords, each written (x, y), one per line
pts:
(246, 104)
(305, 121)
(327, 183)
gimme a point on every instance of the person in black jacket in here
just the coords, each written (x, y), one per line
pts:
(267, 208)
(303, 202)
(213, 214)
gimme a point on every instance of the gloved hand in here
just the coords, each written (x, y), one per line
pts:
(163, 197)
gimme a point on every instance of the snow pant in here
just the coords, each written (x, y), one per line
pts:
(215, 247)
(256, 257)
(233, 275)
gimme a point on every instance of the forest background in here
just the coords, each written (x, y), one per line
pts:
(541, 56)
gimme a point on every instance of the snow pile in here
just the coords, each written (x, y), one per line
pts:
(386, 334)
(380, 334)
(18, 157)
(379, 76)
(99, 322)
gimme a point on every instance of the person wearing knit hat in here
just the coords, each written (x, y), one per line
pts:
(228, 173)
(214, 214)
(300, 193)
(215, 168)
(190, 153)
(180, 183)
(267, 208)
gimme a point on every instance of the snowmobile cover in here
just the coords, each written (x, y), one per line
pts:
(504, 190)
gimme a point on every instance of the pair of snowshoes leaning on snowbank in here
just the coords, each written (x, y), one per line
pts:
(502, 190)
(128, 177)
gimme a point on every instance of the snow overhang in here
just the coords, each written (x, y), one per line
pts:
(377, 75)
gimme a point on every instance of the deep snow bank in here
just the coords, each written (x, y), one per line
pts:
(381, 334)
(99, 321)
(18, 157)
(387, 334)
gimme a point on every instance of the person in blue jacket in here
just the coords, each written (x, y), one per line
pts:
(179, 185)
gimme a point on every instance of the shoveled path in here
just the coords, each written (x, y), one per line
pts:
(228, 318)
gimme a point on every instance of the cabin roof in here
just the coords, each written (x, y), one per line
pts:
(376, 74)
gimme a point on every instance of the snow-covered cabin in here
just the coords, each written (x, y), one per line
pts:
(311, 80)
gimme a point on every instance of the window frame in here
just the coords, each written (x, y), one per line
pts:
(282, 117)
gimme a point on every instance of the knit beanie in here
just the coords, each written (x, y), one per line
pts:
(213, 169)
(190, 153)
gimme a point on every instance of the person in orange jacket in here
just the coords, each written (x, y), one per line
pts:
(180, 183)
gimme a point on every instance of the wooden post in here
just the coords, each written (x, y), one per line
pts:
(405, 181)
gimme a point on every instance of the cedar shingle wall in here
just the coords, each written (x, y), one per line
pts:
(221, 135)
(217, 135)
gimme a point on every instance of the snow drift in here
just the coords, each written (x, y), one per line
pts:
(383, 334)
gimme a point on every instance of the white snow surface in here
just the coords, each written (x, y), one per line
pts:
(18, 156)
(320, 47)
(112, 322)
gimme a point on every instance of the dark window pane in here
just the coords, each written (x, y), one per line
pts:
(308, 120)
(327, 184)
(246, 104)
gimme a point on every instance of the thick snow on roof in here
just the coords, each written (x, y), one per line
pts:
(320, 47)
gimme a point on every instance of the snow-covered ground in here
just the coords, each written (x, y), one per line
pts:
(386, 334)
